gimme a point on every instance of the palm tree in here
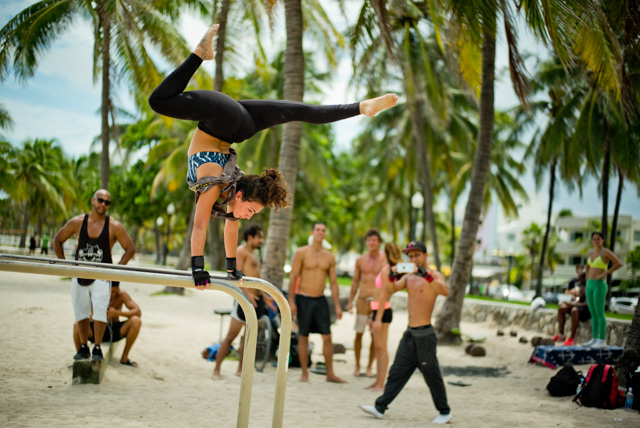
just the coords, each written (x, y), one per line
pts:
(280, 222)
(5, 119)
(122, 33)
(531, 240)
(553, 146)
(41, 185)
(475, 24)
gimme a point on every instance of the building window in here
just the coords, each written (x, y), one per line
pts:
(512, 236)
(576, 235)
(636, 235)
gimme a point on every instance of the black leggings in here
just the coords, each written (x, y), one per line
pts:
(234, 121)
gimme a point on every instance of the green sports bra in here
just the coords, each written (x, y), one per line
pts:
(598, 263)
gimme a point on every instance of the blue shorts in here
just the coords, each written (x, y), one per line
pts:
(201, 158)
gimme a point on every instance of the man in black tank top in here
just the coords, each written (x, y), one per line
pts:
(96, 233)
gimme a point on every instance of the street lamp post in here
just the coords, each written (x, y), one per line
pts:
(159, 224)
(171, 209)
(417, 202)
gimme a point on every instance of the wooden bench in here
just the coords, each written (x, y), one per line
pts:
(87, 371)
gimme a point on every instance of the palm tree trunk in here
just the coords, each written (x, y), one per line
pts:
(106, 65)
(606, 164)
(280, 222)
(616, 211)
(453, 231)
(545, 241)
(448, 321)
(614, 229)
(25, 226)
(220, 44)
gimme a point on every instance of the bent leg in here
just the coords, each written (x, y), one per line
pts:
(234, 329)
(129, 330)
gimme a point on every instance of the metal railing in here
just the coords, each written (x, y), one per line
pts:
(176, 278)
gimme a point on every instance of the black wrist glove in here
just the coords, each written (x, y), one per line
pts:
(394, 276)
(232, 272)
(423, 273)
(200, 276)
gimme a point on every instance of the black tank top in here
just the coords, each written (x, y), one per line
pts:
(93, 250)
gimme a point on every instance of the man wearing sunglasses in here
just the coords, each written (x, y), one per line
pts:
(96, 233)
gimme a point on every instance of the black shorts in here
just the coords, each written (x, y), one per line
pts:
(583, 313)
(238, 313)
(387, 316)
(111, 332)
(313, 315)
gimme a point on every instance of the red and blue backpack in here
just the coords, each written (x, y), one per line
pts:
(600, 388)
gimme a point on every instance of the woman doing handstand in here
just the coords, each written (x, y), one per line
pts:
(212, 171)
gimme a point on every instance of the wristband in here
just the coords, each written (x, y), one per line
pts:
(230, 263)
(197, 263)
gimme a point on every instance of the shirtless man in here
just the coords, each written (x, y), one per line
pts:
(96, 233)
(367, 268)
(417, 348)
(312, 264)
(249, 264)
(118, 330)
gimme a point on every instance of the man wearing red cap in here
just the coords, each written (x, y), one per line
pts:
(417, 348)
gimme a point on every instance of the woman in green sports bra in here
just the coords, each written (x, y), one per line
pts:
(598, 261)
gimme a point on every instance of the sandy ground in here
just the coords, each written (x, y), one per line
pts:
(172, 387)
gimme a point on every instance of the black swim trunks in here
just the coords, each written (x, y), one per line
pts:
(387, 316)
(313, 315)
(238, 313)
(583, 313)
(111, 332)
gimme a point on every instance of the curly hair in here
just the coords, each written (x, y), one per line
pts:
(393, 253)
(269, 189)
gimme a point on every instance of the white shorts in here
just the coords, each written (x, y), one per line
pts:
(361, 323)
(83, 297)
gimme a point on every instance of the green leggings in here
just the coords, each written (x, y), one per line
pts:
(596, 294)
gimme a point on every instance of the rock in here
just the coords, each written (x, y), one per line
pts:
(513, 333)
(535, 340)
(339, 348)
(500, 333)
(468, 348)
(478, 351)
(547, 342)
(523, 339)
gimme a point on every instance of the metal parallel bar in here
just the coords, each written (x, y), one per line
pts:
(283, 345)
(58, 267)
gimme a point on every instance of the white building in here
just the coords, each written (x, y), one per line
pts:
(575, 237)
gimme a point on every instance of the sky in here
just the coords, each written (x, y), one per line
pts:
(62, 101)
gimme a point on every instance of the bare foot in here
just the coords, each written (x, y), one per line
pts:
(373, 385)
(239, 373)
(304, 377)
(378, 388)
(370, 372)
(356, 372)
(335, 379)
(205, 47)
(216, 376)
(374, 105)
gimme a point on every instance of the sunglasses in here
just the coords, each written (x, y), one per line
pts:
(103, 201)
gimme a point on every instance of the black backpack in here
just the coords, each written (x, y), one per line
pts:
(600, 388)
(565, 382)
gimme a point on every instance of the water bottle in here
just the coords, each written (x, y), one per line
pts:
(628, 403)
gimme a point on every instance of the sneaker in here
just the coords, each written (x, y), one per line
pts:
(558, 338)
(599, 344)
(590, 343)
(83, 353)
(442, 419)
(372, 411)
(569, 342)
(96, 354)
